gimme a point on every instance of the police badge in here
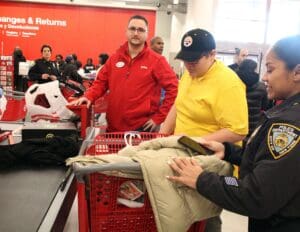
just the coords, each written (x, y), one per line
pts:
(282, 138)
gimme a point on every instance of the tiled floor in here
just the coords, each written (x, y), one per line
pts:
(230, 222)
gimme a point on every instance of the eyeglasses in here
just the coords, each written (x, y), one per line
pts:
(137, 29)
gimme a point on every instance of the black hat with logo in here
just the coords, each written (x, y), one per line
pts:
(194, 44)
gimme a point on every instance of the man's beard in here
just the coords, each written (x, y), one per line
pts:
(136, 42)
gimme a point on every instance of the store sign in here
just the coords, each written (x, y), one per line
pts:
(68, 29)
(27, 27)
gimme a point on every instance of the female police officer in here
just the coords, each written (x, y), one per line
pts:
(268, 190)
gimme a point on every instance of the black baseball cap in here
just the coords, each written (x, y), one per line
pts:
(194, 44)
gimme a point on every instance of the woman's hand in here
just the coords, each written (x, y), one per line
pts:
(187, 170)
(217, 147)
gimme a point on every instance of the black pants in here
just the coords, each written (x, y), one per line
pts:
(20, 84)
(213, 224)
(274, 225)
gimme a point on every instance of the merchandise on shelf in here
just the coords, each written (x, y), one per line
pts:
(6, 72)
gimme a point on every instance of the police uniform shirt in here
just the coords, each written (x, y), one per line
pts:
(40, 67)
(268, 190)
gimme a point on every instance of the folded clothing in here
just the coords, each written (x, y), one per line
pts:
(46, 151)
(176, 207)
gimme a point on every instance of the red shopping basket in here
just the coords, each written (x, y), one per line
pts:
(87, 114)
(105, 213)
(15, 109)
(85, 117)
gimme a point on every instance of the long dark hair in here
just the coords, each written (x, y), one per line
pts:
(46, 46)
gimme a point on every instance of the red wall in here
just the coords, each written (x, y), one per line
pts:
(86, 31)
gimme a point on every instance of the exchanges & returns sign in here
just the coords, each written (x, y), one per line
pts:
(27, 27)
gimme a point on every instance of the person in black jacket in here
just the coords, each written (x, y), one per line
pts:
(268, 188)
(60, 63)
(44, 69)
(255, 91)
(70, 70)
(89, 66)
(20, 83)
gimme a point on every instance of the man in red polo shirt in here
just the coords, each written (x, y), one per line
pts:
(134, 76)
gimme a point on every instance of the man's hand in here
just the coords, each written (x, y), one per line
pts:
(217, 147)
(187, 170)
(150, 126)
(80, 101)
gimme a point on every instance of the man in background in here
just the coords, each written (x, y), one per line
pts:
(240, 55)
(70, 70)
(157, 44)
(20, 83)
(60, 63)
(134, 76)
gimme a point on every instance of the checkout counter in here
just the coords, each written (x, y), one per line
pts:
(31, 199)
(34, 199)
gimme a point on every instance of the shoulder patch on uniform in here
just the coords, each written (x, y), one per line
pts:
(231, 181)
(282, 138)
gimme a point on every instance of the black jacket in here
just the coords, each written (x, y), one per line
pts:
(40, 151)
(18, 79)
(256, 94)
(268, 190)
(234, 67)
(18, 57)
(70, 72)
(88, 68)
(40, 67)
(60, 67)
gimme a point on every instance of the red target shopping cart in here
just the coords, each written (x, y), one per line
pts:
(99, 207)
(12, 110)
(15, 109)
(87, 115)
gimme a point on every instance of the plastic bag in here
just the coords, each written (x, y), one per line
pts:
(45, 101)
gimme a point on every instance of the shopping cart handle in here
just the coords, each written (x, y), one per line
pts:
(13, 92)
(80, 170)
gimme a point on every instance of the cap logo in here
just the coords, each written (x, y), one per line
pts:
(187, 41)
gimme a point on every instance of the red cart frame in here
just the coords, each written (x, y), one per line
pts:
(15, 112)
(15, 107)
(87, 114)
(98, 209)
